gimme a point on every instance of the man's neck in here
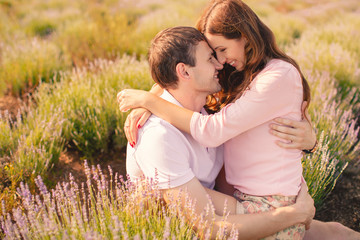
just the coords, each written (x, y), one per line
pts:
(189, 99)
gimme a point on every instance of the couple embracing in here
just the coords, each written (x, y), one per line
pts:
(229, 113)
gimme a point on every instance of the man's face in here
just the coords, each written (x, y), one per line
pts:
(205, 72)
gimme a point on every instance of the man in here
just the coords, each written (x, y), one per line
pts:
(183, 64)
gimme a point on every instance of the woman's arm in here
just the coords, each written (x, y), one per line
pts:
(273, 95)
(298, 134)
(301, 133)
(175, 115)
(138, 117)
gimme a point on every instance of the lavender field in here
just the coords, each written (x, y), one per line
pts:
(62, 63)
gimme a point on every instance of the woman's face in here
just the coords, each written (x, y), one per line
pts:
(230, 51)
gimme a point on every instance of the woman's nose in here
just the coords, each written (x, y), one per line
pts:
(218, 65)
(221, 59)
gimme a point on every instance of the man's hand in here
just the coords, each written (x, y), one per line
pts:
(298, 134)
(305, 206)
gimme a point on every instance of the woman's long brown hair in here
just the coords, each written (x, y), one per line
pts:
(233, 19)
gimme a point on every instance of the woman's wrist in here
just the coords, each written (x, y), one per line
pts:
(156, 89)
(146, 100)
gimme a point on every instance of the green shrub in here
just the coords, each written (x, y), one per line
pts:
(27, 63)
(337, 134)
(41, 27)
(110, 209)
(87, 98)
(286, 28)
(311, 53)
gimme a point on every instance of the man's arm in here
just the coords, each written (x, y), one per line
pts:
(249, 226)
(297, 134)
(222, 185)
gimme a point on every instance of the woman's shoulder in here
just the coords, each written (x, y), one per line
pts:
(277, 73)
(279, 65)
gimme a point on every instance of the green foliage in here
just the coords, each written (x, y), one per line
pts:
(7, 142)
(287, 28)
(337, 135)
(101, 38)
(111, 209)
(87, 100)
(28, 63)
(327, 56)
(81, 53)
(33, 146)
(41, 27)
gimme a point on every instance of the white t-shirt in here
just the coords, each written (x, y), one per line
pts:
(170, 156)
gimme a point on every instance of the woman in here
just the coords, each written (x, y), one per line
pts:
(261, 83)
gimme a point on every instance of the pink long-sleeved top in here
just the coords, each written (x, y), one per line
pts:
(254, 164)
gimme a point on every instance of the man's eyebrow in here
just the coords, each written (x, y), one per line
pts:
(217, 47)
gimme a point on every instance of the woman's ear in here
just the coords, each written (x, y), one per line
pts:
(182, 71)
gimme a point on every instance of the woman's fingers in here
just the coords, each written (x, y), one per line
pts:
(143, 118)
(127, 129)
(133, 132)
(135, 120)
(123, 99)
(128, 99)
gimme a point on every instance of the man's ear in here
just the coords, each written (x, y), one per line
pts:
(182, 70)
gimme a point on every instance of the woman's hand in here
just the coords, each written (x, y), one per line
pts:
(299, 134)
(135, 120)
(305, 206)
(131, 98)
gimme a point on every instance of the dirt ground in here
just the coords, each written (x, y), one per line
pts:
(342, 205)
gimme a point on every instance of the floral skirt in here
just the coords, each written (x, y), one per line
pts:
(255, 204)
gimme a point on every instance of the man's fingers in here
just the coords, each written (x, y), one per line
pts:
(287, 122)
(284, 136)
(290, 145)
(283, 129)
(307, 224)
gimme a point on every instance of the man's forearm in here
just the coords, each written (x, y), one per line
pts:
(260, 225)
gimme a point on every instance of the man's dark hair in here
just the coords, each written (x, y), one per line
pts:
(170, 47)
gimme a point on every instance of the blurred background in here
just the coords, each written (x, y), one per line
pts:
(63, 61)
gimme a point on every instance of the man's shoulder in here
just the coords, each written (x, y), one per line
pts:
(162, 152)
(159, 128)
